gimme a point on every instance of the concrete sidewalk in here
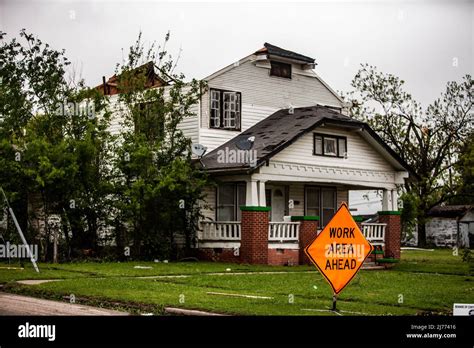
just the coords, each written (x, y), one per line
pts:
(23, 305)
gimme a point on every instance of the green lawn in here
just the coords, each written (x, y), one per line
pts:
(423, 282)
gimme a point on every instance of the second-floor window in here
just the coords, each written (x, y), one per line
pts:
(280, 70)
(225, 109)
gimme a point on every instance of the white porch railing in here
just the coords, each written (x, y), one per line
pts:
(220, 230)
(283, 231)
(374, 233)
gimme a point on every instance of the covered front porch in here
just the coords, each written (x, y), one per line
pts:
(290, 212)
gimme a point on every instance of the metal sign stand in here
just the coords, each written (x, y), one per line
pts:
(20, 232)
(334, 301)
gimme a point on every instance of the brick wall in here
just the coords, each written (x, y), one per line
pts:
(254, 237)
(393, 233)
(283, 257)
(308, 232)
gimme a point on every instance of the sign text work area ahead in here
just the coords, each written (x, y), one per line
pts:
(339, 250)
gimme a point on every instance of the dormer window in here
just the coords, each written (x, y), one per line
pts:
(280, 69)
(330, 145)
(225, 109)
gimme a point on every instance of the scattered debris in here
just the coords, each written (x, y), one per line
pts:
(181, 311)
(143, 267)
(413, 248)
(228, 269)
(37, 281)
(239, 295)
(320, 310)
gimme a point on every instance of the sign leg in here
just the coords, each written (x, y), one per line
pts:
(334, 300)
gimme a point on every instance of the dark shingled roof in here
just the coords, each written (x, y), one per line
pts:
(280, 52)
(276, 132)
(449, 211)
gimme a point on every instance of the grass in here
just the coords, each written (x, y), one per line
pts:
(422, 283)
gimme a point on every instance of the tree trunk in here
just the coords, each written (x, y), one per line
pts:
(421, 234)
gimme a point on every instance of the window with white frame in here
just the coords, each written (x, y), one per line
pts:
(215, 108)
(225, 109)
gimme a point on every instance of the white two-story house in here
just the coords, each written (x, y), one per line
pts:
(277, 136)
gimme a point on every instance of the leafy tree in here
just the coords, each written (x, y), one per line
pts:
(428, 139)
(53, 151)
(159, 186)
(465, 168)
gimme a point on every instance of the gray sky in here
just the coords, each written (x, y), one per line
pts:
(419, 41)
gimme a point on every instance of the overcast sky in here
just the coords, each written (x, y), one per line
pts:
(427, 43)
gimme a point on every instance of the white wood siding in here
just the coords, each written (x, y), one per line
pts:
(117, 117)
(190, 125)
(360, 155)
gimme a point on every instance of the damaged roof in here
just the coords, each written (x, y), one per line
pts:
(279, 130)
(449, 211)
(280, 52)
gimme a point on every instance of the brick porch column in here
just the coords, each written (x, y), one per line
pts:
(393, 232)
(254, 235)
(308, 232)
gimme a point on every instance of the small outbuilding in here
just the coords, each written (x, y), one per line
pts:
(451, 225)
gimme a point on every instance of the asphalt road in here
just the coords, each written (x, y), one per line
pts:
(23, 305)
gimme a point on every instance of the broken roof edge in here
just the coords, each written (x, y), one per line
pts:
(277, 51)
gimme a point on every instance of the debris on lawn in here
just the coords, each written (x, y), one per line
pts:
(321, 310)
(228, 269)
(37, 281)
(143, 267)
(239, 295)
(193, 312)
(417, 249)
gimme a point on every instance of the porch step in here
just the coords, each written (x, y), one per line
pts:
(371, 265)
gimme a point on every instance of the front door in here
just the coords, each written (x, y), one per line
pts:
(278, 203)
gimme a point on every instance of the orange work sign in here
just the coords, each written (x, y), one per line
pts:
(339, 250)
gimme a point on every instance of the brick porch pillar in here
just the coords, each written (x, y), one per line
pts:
(254, 235)
(308, 232)
(393, 232)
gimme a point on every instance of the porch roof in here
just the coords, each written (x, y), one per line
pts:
(281, 129)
